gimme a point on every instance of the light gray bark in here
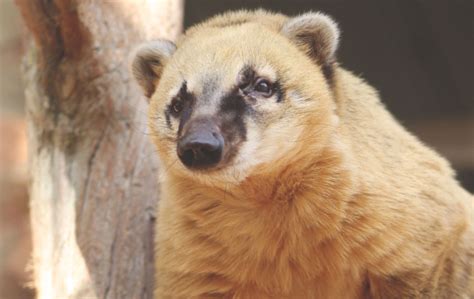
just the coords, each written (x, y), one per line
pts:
(93, 170)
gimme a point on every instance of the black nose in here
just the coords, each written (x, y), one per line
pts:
(201, 148)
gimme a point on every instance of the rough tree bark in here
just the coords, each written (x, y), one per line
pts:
(93, 172)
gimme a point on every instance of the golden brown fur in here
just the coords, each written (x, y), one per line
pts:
(356, 208)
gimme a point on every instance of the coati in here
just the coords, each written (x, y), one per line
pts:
(283, 175)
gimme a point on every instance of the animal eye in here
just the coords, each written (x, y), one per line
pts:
(264, 87)
(176, 107)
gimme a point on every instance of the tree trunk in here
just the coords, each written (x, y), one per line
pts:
(93, 188)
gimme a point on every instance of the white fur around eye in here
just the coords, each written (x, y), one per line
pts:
(298, 100)
(175, 90)
(266, 71)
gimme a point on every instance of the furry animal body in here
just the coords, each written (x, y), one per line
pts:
(283, 175)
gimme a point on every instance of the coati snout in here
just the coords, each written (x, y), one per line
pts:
(201, 145)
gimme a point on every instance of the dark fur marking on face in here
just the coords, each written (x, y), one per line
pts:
(187, 101)
(167, 117)
(248, 76)
(233, 109)
(279, 91)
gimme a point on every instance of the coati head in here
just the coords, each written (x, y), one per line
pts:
(240, 94)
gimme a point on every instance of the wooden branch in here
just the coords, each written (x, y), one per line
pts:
(93, 172)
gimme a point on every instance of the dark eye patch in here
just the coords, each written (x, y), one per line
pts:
(279, 91)
(254, 86)
(246, 77)
(177, 103)
(233, 109)
(180, 107)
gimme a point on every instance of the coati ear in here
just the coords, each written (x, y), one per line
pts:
(148, 62)
(316, 34)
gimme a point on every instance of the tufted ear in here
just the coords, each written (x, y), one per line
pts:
(148, 62)
(316, 34)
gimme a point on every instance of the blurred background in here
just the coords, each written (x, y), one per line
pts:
(15, 236)
(418, 54)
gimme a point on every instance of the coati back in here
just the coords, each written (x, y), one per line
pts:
(283, 176)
